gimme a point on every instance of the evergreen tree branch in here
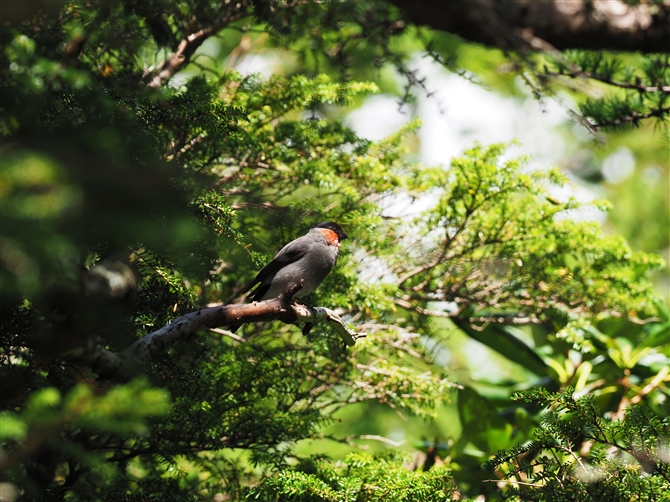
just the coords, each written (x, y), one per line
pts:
(187, 47)
(181, 57)
(634, 118)
(607, 79)
(578, 24)
(124, 365)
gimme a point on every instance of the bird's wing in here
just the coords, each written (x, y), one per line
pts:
(290, 253)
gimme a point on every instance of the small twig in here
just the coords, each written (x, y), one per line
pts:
(227, 333)
(512, 482)
(506, 319)
(435, 313)
(382, 439)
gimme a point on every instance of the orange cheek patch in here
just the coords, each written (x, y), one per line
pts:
(330, 236)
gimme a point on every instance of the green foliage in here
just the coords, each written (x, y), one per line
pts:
(178, 193)
(496, 233)
(640, 87)
(52, 422)
(579, 455)
(121, 410)
(358, 477)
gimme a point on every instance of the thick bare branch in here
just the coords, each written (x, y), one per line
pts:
(573, 24)
(109, 364)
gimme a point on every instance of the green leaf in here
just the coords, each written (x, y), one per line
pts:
(481, 422)
(11, 427)
(505, 340)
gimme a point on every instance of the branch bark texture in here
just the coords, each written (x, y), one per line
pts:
(187, 47)
(124, 365)
(180, 57)
(564, 24)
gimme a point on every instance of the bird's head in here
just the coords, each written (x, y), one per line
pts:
(332, 227)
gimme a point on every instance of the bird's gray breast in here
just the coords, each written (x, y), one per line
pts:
(312, 269)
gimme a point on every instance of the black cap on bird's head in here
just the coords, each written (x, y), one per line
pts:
(331, 225)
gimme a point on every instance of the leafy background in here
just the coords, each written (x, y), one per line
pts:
(518, 333)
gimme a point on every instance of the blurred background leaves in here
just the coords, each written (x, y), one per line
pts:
(476, 273)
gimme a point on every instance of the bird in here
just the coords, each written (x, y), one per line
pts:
(309, 258)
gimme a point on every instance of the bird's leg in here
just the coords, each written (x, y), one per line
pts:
(308, 326)
(299, 301)
(293, 289)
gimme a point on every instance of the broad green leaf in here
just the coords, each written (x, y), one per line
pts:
(481, 422)
(505, 341)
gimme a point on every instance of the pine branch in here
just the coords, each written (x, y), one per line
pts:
(607, 79)
(633, 118)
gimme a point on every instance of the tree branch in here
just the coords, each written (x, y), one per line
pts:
(433, 313)
(606, 79)
(633, 118)
(574, 24)
(181, 57)
(187, 47)
(124, 365)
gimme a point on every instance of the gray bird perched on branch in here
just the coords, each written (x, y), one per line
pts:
(309, 258)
